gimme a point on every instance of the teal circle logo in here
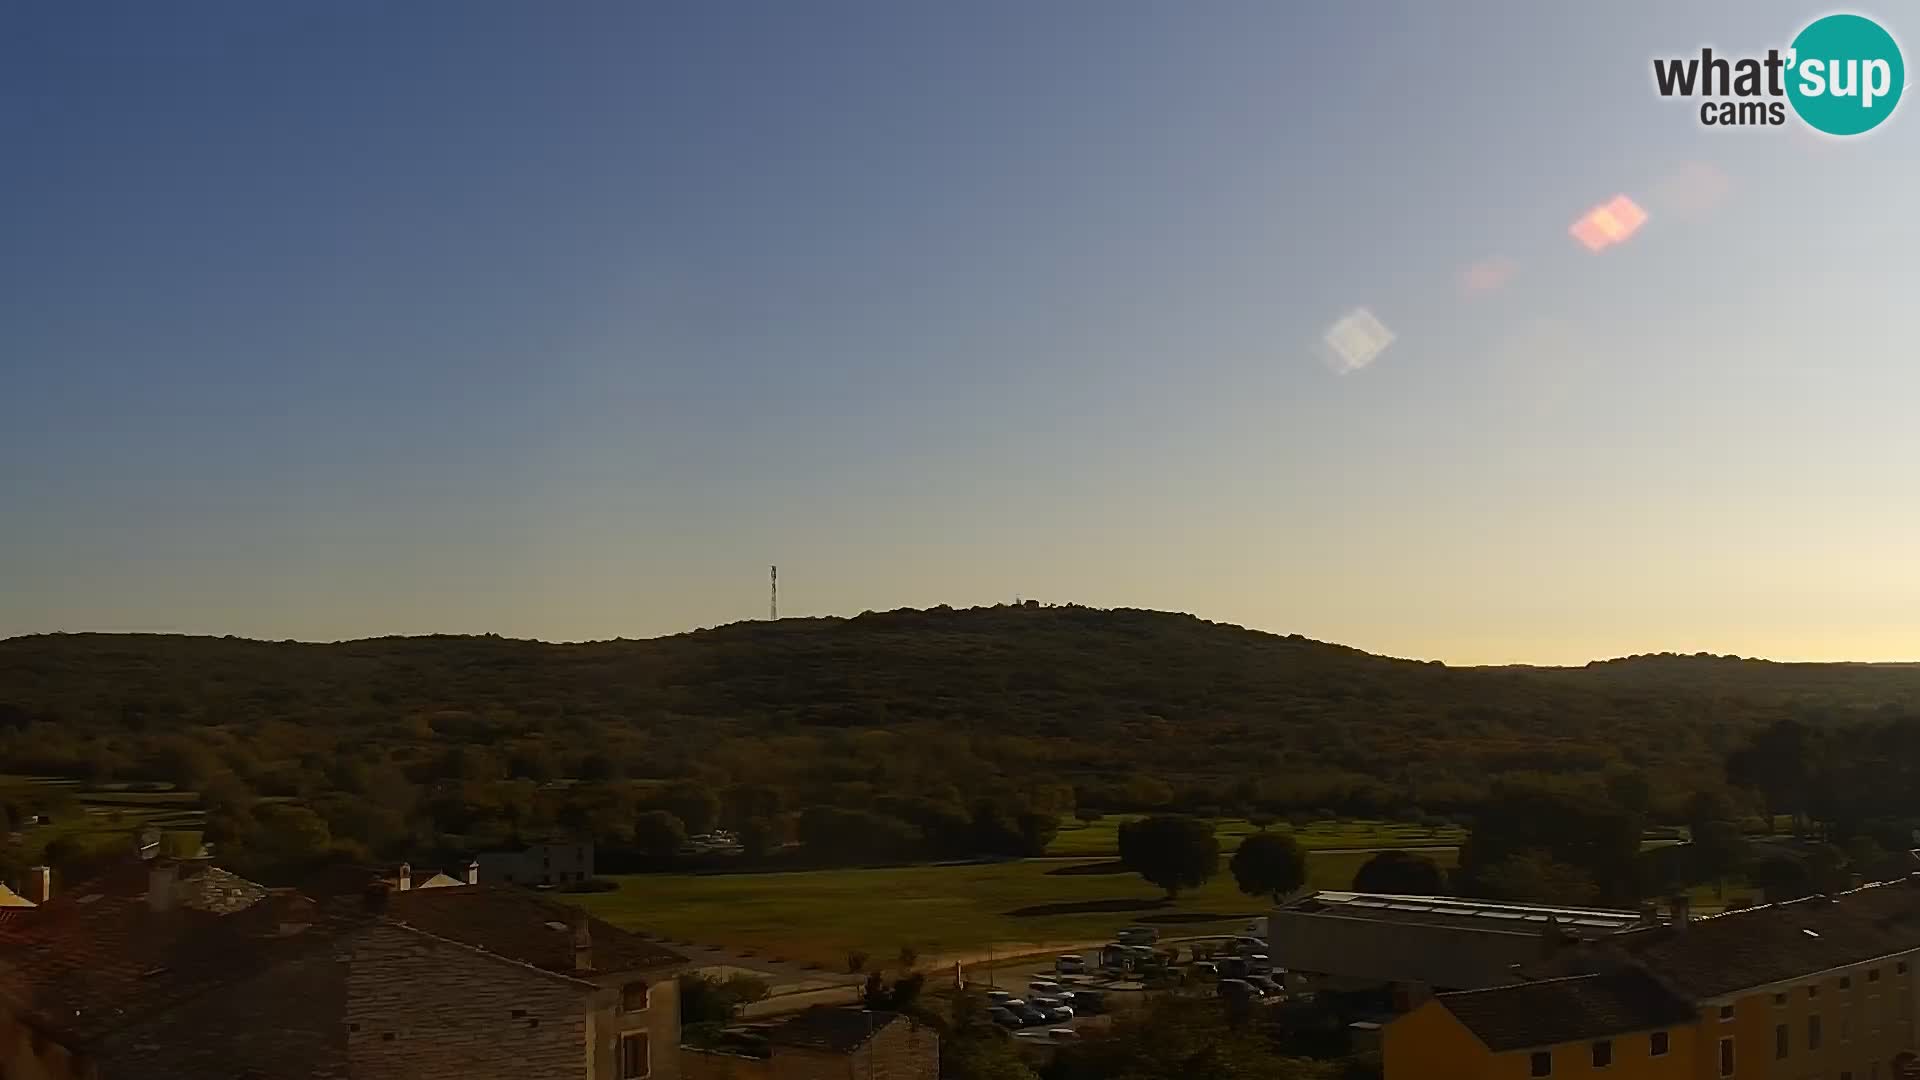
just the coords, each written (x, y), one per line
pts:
(1845, 74)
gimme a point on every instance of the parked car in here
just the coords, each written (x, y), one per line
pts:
(1062, 1033)
(1237, 988)
(1003, 1017)
(1089, 1002)
(1070, 964)
(1206, 970)
(1233, 967)
(1139, 935)
(1264, 984)
(999, 997)
(1261, 963)
(1043, 988)
(1028, 1015)
(1055, 1009)
(1246, 946)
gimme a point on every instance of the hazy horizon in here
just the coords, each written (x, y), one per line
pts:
(565, 323)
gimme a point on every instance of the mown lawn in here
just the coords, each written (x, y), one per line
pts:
(1103, 837)
(107, 816)
(940, 911)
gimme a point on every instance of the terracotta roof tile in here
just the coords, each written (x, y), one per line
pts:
(828, 1027)
(1576, 1009)
(1780, 942)
(525, 926)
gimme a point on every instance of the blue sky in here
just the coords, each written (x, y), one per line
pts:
(566, 320)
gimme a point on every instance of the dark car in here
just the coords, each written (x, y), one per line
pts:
(1264, 984)
(1003, 1017)
(1025, 1013)
(1088, 1002)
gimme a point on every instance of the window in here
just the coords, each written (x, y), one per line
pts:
(1603, 1053)
(1542, 1063)
(636, 1058)
(1726, 1012)
(1873, 974)
(1657, 1044)
(1813, 991)
(1846, 982)
(1726, 1056)
(1779, 999)
(1813, 1033)
(1779, 1040)
(633, 997)
(1900, 968)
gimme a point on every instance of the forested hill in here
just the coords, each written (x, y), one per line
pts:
(1075, 694)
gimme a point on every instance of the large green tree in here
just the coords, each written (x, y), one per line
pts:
(1172, 851)
(1400, 873)
(1269, 864)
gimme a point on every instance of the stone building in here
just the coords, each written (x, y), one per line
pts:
(163, 971)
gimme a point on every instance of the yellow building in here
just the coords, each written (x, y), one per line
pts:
(1815, 989)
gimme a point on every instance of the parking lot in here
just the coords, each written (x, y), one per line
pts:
(1049, 997)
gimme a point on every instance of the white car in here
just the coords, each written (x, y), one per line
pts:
(1070, 965)
(1044, 988)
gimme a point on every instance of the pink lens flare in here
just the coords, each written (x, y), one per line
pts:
(1611, 223)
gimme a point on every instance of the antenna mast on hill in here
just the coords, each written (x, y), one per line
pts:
(773, 595)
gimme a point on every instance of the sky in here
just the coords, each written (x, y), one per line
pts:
(566, 321)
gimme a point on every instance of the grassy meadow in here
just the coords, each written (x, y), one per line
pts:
(1103, 837)
(940, 911)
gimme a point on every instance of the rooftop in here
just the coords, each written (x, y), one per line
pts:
(830, 1028)
(1492, 915)
(1574, 1009)
(525, 926)
(1776, 943)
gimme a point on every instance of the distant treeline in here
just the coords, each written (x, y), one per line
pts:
(909, 734)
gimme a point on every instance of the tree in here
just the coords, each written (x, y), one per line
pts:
(1534, 877)
(694, 803)
(1400, 873)
(1269, 864)
(1548, 828)
(658, 832)
(1630, 790)
(1170, 850)
(758, 836)
(1719, 848)
(705, 999)
(1782, 877)
(1777, 763)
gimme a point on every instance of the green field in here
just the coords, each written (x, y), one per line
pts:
(108, 815)
(1103, 837)
(941, 911)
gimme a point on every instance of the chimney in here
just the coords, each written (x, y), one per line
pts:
(582, 942)
(406, 876)
(473, 872)
(39, 884)
(1682, 907)
(160, 882)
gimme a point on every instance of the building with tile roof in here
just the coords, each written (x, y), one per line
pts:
(184, 970)
(1820, 987)
(826, 1041)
